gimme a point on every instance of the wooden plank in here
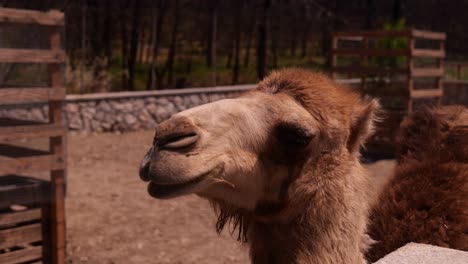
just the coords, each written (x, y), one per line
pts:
(8, 133)
(350, 38)
(372, 34)
(371, 52)
(32, 56)
(20, 217)
(50, 18)
(429, 53)
(20, 235)
(428, 34)
(57, 147)
(369, 70)
(23, 255)
(30, 95)
(58, 231)
(427, 72)
(35, 163)
(426, 93)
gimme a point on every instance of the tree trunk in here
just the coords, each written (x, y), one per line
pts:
(252, 27)
(173, 46)
(158, 21)
(147, 55)
(133, 44)
(262, 39)
(275, 26)
(237, 38)
(211, 48)
(396, 12)
(332, 24)
(107, 40)
(95, 42)
(142, 42)
(229, 52)
(305, 29)
(124, 37)
(370, 10)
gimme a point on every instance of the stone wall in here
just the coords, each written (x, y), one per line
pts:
(127, 111)
(132, 113)
(124, 111)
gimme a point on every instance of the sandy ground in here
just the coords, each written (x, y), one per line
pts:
(111, 218)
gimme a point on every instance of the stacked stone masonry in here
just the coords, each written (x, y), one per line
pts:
(116, 114)
(127, 111)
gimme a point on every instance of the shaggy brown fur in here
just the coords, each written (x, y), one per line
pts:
(427, 200)
(311, 198)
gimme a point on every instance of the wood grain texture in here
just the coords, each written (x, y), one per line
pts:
(32, 56)
(58, 148)
(20, 235)
(428, 34)
(29, 164)
(12, 129)
(427, 93)
(23, 255)
(428, 53)
(31, 95)
(50, 18)
(427, 72)
(19, 217)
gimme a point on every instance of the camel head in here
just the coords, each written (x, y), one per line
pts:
(258, 151)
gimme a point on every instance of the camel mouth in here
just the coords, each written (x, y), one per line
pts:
(167, 191)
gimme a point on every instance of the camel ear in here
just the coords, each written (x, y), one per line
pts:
(362, 124)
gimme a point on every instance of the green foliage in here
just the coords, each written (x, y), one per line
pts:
(393, 43)
(193, 72)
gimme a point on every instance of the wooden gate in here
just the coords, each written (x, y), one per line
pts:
(32, 218)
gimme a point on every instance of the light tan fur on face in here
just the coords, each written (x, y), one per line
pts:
(294, 202)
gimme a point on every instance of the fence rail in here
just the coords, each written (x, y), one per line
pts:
(51, 18)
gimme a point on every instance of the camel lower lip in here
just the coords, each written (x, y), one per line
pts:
(163, 191)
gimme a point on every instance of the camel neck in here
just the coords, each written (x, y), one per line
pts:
(302, 242)
(328, 226)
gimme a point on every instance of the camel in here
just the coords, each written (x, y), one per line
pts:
(426, 199)
(280, 163)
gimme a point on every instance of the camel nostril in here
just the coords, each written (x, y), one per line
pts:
(177, 141)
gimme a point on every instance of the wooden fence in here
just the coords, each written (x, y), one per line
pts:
(37, 232)
(369, 47)
(410, 52)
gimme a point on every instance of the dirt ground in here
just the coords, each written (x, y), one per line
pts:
(112, 219)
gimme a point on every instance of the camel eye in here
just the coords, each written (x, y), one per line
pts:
(293, 136)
